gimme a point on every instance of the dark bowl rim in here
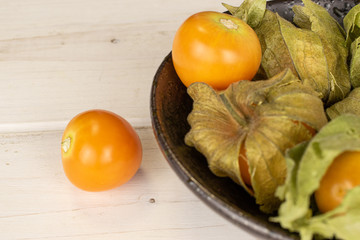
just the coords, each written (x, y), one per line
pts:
(239, 217)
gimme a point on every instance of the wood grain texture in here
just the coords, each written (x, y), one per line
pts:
(38, 202)
(59, 58)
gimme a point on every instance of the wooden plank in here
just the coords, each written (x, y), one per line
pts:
(62, 57)
(38, 202)
(59, 58)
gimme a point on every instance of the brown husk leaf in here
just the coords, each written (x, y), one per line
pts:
(349, 105)
(315, 51)
(265, 116)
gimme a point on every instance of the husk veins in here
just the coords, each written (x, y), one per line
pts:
(264, 116)
(315, 49)
(307, 163)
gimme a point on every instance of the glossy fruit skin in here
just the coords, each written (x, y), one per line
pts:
(205, 50)
(100, 150)
(342, 175)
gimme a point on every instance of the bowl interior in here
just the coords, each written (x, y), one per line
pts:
(170, 106)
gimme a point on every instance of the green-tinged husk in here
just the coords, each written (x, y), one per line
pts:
(314, 50)
(352, 24)
(355, 63)
(250, 11)
(305, 47)
(352, 28)
(317, 19)
(263, 115)
(275, 54)
(307, 163)
(350, 104)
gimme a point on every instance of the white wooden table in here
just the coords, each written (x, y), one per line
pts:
(59, 58)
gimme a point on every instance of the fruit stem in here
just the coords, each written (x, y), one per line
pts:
(228, 23)
(65, 145)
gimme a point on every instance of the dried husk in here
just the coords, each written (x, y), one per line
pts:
(315, 51)
(352, 28)
(349, 105)
(352, 24)
(355, 63)
(263, 115)
(307, 54)
(317, 19)
(275, 54)
(250, 11)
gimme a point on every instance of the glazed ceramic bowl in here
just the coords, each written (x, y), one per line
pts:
(170, 106)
